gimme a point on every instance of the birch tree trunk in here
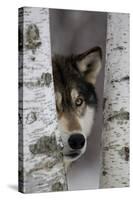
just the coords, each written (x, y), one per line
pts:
(115, 136)
(41, 167)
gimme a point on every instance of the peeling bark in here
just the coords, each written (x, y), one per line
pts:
(41, 167)
(115, 136)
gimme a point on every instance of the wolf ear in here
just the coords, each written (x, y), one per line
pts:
(90, 63)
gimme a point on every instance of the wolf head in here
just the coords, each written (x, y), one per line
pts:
(76, 100)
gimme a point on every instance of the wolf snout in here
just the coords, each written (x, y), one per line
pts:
(76, 141)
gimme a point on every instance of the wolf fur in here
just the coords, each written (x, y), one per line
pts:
(76, 100)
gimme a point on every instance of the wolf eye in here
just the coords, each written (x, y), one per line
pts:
(79, 101)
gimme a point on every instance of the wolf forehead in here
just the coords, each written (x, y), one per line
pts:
(70, 83)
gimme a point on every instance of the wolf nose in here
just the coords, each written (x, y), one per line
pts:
(76, 141)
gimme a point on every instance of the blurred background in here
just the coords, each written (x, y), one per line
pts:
(74, 32)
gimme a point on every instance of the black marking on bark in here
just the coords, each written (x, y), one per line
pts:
(50, 164)
(32, 37)
(58, 186)
(106, 148)
(44, 165)
(20, 84)
(119, 116)
(41, 81)
(46, 145)
(21, 180)
(119, 48)
(125, 78)
(20, 38)
(112, 81)
(31, 117)
(20, 118)
(104, 173)
(124, 153)
(33, 58)
(45, 79)
(104, 102)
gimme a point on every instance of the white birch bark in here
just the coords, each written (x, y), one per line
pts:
(41, 167)
(115, 136)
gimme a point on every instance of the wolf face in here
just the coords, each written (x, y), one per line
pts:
(76, 100)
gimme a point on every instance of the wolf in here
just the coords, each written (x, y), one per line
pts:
(76, 100)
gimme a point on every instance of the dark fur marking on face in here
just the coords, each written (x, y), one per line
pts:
(95, 49)
(87, 90)
(67, 77)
